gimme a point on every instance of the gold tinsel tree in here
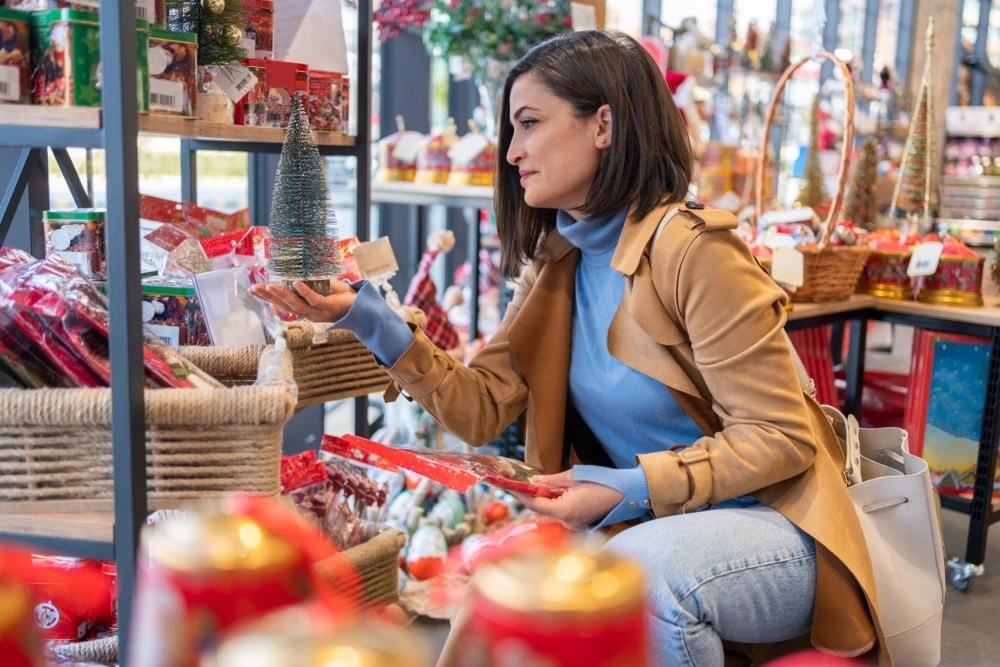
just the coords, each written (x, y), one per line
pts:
(916, 195)
(813, 193)
(861, 207)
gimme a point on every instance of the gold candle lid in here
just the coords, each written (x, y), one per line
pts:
(216, 542)
(299, 637)
(568, 582)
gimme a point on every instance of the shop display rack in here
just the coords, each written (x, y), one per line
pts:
(115, 128)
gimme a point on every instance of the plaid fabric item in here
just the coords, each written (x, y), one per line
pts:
(422, 294)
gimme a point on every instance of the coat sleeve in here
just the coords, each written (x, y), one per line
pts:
(475, 402)
(734, 316)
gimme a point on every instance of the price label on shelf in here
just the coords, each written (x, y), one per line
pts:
(166, 95)
(10, 83)
(788, 267)
(924, 260)
(235, 80)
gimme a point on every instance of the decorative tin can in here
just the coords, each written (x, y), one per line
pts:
(200, 574)
(110, 570)
(173, 72)
(142, 64)
(55, 598)
(77, 236)
(433, 163)
(260, 24)
(884, 274)
(958, 281)
(20, 643)
(561, 608)
(170, 309)
(15, 57)
(66, 58)
(345, 104)
(322, 109)
(312, 636)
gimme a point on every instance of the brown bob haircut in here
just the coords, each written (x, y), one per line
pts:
(648, 162)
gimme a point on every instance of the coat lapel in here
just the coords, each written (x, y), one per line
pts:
(540, 338)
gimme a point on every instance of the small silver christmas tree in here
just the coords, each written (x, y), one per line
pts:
(303, 223)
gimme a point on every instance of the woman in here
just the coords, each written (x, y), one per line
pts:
(644, 340)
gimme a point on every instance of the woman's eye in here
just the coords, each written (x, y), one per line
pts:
(527, 122)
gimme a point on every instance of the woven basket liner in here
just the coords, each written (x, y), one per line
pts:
(339, 368)
(830, 272)
(55, 444)
(367, 573)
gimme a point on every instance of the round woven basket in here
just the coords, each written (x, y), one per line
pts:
(830, 273)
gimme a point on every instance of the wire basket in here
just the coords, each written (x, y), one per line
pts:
(55, 444)
(830, 273)
(326, 365)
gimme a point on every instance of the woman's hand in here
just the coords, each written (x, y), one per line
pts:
(581, 504)
(307, 303)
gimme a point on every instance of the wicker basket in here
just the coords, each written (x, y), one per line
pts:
(368, 574)
(327, 365)
(830, 273)
(55, 444)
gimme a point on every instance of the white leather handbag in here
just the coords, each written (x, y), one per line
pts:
(900, 514)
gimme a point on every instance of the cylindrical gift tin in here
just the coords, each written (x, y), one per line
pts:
(561, 608)
(57, 612)
(20, 645)
(311, 636)
(885, 276)
(77, 236)
(958, 281)
(198, 575)
(110, 570)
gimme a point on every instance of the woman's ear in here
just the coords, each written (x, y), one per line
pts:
(603, 135)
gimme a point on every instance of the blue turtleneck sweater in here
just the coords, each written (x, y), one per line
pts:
(630, 413)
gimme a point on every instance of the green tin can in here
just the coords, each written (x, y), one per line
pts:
(173, 72)
(77, 236)
(15, 56)
(66, 59)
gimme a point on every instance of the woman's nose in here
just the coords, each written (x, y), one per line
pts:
(514, 153)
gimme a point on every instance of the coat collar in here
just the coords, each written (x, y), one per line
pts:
(635, 237)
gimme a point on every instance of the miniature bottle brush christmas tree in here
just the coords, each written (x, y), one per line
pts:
(303, 223)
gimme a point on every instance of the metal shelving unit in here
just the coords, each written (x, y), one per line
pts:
(115, 128)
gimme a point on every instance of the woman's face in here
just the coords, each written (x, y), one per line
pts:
(556, 153)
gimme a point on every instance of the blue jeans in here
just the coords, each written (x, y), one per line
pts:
(738, 572)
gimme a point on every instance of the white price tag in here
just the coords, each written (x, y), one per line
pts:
(166, 95)
(169, 335)
(467, 148)
(584, 16)
(80, 260)
(376, 258)
(788, 267)
(145, 9)
(408, 146)
(925, 258)
(235, 80)
(10, 83)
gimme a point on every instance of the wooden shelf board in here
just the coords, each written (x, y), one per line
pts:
(83, 118)
(97, 527)
(988, 314)
(805, 310)
(178, 126)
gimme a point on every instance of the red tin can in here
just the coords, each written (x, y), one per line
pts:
(199, 575)
(562, 608)
(57, 612)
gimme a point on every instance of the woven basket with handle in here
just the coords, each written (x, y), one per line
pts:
(830, 272)
(55, 444)
(327, 365)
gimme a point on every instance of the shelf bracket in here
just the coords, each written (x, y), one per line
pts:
(80, 195)
(15, 190)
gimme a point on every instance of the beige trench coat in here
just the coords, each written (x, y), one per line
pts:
(699, 315)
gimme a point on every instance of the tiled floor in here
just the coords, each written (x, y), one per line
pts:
(971, 633)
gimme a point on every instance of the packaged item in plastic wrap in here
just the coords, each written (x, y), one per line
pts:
(15, 57)
(77, 235)
(173, 251)
(10, 256)
(196, 220)
(171, 311)
(233, 316)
